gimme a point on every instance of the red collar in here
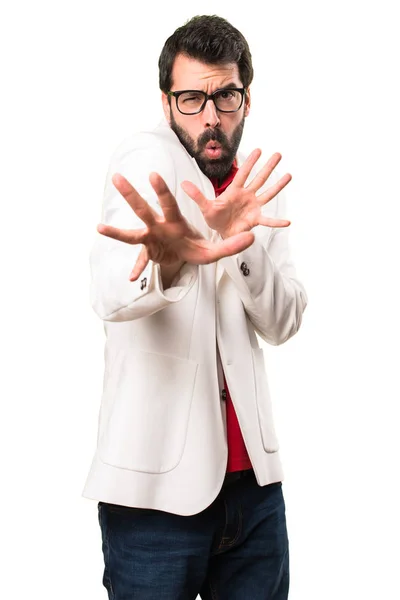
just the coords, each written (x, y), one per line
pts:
(219, 188)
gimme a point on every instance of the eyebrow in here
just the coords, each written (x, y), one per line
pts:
(228, 86)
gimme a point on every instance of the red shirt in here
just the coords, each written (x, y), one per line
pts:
(238, 458)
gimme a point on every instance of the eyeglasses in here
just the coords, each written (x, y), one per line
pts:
(192, 102)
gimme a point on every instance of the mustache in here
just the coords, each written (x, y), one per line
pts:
(214, 135)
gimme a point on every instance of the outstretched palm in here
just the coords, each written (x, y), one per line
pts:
(168, 239)
(238, 209)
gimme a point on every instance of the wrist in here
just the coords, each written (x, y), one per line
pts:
(169, 272)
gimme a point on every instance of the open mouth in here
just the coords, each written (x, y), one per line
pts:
(213, 149)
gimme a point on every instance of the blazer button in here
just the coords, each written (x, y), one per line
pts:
(223, 395)
(245, 269)
(143, 283)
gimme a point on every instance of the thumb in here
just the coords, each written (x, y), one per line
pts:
(229, 247)
(236, 243)
(141, 264)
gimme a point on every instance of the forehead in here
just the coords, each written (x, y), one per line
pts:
(191, 74)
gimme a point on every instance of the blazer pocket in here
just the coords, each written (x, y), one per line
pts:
(264, 407)
(147, 425)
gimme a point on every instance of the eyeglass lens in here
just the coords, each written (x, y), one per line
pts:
(225, 100)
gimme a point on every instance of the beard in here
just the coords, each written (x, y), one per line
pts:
(212, 168)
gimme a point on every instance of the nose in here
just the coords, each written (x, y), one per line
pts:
(210, 115)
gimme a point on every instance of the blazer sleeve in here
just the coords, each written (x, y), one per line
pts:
(265, 277)
(113, 296)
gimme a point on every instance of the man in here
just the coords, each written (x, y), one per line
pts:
(192, 263)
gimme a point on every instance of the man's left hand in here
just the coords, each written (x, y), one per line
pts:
(238, 208)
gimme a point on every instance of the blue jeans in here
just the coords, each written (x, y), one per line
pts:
(235, 549)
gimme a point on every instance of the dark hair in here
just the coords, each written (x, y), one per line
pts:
(209, 39)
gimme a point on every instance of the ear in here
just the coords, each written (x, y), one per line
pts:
(166, 106)
(247, 102)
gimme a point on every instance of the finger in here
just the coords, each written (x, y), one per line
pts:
(167, 200)
(129, 236)
(195, 194)
(134, 199)
(235, 244)
(141, 264)
(202, 252)
(274, 189)
(267, 221)
(265, 172)
(244, 171)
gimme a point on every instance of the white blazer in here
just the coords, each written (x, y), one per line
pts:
(162, 433)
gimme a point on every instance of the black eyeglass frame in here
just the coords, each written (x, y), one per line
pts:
(208, 97)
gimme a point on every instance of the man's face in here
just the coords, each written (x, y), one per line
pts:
(211, 137)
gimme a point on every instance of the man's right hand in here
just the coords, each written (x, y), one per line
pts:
(169, 239)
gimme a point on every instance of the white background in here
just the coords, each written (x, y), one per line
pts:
(77, 78)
